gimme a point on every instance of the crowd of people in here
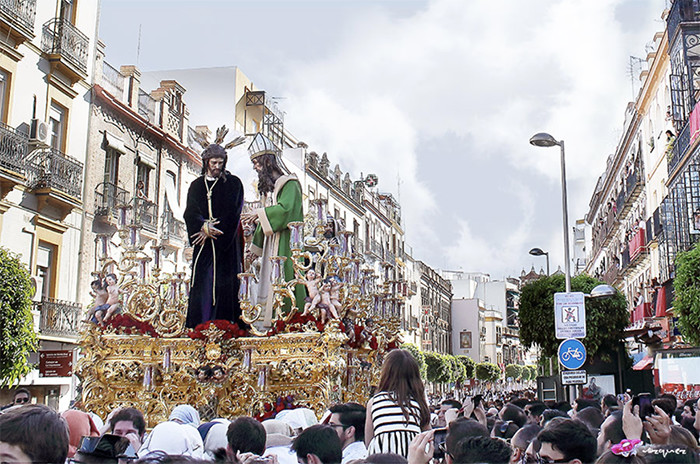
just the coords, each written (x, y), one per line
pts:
(399, 424)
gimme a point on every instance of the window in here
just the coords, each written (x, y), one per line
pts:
(171, 179)
(45, 269)
(4, 89)
(57, 125)
(142, 177)
(112, 166)
(68, 10)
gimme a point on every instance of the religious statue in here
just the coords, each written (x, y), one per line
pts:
(282, 204)
(212, 216)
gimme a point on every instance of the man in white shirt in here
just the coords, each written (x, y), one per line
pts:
(348, 420)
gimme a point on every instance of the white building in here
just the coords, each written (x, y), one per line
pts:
(46, 68)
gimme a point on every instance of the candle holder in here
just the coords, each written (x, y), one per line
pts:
(296, 236)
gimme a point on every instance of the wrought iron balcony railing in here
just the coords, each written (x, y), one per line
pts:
(108, 197)
(20, 13)
(147, 106)
(113, 81)
(60, 37)
(173, 229)
(14, 147)
(56, 170)
(58, 318)
(145, 213)
(680, 147)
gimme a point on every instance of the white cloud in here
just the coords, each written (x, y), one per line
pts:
(470, 69)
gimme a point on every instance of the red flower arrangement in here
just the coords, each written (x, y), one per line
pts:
(361, 337)
(230, 330)
(296, 324)
(270, 411)
(127, 325)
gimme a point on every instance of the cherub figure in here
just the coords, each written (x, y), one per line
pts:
(335, 296)
(327, 306)
(311, 282)
(99, 291)
(113, 292)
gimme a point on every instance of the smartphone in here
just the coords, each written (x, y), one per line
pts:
(476, 400)
(643, 400)
(439, 436)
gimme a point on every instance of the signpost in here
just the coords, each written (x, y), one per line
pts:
(55, 363)
(574, 377)
(569, 315)
(572, 354)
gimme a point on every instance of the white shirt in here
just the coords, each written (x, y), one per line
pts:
(355, 450)
(174, 438)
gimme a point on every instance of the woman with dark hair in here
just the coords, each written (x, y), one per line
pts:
(399, 411)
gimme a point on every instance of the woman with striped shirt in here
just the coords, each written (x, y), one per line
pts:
(399, 411)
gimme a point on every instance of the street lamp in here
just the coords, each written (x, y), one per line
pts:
(543, 139)
(541, 252)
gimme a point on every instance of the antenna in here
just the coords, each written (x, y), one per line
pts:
(138, 47)
(634, 68)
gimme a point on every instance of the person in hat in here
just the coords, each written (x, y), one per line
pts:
(212, 216)
(282, 200)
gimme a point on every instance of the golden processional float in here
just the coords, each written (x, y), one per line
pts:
(146, 358)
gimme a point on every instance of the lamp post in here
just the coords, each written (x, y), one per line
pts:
(541, 252)
(543, 139)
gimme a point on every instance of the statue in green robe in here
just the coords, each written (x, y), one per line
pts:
(282, 204)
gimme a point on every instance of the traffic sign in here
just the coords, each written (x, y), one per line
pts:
(574, 377)
(572, 353)
(569, 315)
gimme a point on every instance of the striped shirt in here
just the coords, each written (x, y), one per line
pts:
(392, 432)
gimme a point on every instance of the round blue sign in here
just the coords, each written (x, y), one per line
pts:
(572, 353)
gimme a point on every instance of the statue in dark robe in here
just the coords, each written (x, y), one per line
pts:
(212, 216)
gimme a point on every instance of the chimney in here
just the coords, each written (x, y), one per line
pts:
(133, 80)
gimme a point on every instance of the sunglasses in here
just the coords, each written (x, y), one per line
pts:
(21, 400)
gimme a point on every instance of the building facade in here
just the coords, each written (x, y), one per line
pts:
(631, 246)
(46, 69)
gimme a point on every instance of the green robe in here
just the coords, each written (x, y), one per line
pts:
(271, 238)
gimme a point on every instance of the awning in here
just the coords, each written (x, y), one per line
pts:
(647, 362)
(113, 142)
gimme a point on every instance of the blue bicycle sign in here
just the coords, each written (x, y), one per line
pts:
(572, 353)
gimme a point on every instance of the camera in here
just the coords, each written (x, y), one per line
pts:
(439, 436)
(643, 400)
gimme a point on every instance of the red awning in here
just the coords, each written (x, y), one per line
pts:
(646, 362)
(661, 302)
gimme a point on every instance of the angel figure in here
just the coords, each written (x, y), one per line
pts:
(335, 296)
(311, 282)
(326, 305)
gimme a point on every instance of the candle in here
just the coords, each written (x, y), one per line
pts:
(166, 359)
(277, 273)
(296, 236)
(244, 287)
(148, 377)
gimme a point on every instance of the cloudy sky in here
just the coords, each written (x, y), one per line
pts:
(437, 97)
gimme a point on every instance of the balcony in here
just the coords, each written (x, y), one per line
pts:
(174, 230)
(14, 147)
(681, 11)
(611, 275)
(66, 48)
(375, 248)
(637, 244)
(145, 213)
(640, 313)
(58, 318)
(113, 81)
(56, 180)
(680, 147)
(633, 186)
(109, 197)
(359, 246)
(17, 19)
(147, 106)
